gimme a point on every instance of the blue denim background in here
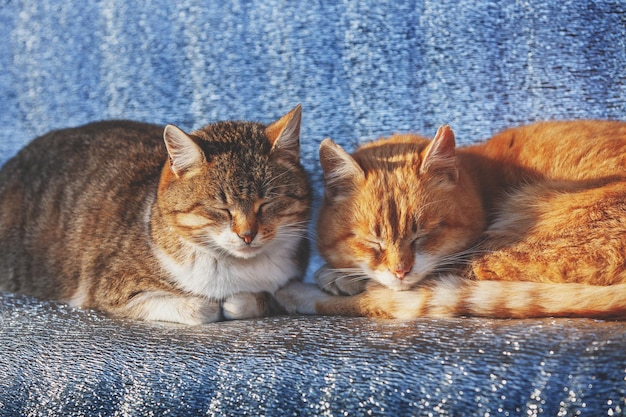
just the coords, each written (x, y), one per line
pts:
(361, 69)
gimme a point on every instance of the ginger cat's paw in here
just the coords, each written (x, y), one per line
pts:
(300, 298)
(245, 305)
(337, 282)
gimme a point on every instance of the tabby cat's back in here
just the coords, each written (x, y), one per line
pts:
(152, 223)
(66, 191)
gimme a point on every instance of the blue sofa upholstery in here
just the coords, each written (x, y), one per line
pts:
(361, 70)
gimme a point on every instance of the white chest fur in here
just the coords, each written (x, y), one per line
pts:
(218, 276)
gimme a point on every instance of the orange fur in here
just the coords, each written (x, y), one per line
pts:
(531, 223)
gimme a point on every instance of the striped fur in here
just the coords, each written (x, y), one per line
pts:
(452, 296)
(148, 223)
(531, 223)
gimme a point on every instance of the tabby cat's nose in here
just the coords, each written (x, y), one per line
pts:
(247, 236)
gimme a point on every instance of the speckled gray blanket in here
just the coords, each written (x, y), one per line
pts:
(60, 362)
(361, 69)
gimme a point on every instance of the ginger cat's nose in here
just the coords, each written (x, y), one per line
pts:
(401, 271)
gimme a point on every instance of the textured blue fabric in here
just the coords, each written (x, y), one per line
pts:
(58, 361)
(361, 69)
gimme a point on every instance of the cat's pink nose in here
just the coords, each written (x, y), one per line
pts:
(401, 271)
(247, 236)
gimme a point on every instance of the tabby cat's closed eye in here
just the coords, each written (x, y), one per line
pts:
(169, 225)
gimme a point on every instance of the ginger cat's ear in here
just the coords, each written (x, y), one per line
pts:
(439, 157)
(184, 152)
(342, 173)
(284, 134)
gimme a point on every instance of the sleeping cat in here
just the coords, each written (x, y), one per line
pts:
(531, 223)
(148, 223)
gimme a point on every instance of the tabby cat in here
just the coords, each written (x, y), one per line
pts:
(148, 223)
(531, 223)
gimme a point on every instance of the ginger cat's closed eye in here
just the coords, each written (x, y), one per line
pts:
(531, 223)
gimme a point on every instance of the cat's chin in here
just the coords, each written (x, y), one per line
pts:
(245, 252)
(398, 285)
(391, 282)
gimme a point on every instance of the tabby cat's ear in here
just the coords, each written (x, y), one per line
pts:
(184, 152)
(439, 157)
(284, 134)
(342, 174)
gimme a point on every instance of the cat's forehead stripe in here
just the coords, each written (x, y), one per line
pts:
(392, 221)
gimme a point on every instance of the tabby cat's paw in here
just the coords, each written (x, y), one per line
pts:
(300, 298)
(205, 312)
(338, 283)
(159, 306)
(245, 305)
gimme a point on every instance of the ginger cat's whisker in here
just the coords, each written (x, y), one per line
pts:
(531, 223)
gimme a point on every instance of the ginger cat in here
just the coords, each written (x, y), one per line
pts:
(531, 223)
(148, 223)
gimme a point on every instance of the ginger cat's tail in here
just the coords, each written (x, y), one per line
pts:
(451, 296)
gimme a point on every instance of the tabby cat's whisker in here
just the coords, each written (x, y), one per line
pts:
(198, 230)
